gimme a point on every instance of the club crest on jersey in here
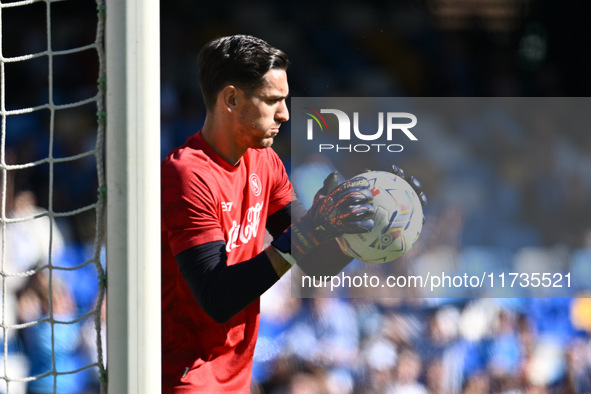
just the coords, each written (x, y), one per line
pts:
(255, 184)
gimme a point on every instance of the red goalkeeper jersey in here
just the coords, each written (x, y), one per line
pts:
(206, 199)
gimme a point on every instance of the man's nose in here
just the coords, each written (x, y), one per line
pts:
(282, 114)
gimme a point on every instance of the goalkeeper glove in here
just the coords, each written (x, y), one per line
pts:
(337, 209)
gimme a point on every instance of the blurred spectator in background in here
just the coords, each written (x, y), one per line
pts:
(406, 377)
(31, 241)
(52, 342)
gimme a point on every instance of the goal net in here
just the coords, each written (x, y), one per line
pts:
(54, 246)
(52, 134)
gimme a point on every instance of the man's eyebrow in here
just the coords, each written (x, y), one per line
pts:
(274, 96)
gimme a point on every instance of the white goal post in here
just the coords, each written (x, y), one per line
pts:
(133, 196)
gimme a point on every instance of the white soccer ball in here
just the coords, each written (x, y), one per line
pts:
(398, 221)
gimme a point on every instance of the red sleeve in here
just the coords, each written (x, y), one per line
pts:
(282, 193)
(189, 207)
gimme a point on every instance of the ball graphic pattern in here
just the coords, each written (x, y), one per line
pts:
(398, 221)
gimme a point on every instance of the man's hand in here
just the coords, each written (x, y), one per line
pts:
(337, 209)
(412, 181)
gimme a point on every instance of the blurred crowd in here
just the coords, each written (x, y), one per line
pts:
(498, 212)
(394, 345)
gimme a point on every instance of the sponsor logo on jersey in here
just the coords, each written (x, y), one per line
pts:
(241, 234)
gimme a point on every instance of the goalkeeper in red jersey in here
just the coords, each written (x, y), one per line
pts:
(220, 191)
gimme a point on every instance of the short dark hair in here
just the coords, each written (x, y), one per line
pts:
(239, 60)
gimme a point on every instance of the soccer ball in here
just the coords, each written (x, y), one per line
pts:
(398, 221)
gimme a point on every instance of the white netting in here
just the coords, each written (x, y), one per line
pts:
(51, 221)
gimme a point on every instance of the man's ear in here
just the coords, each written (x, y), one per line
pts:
(229, 96)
